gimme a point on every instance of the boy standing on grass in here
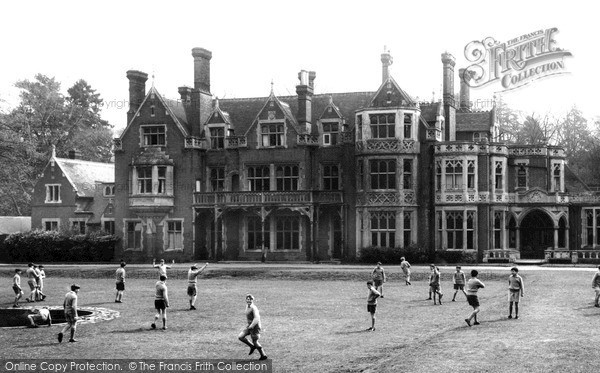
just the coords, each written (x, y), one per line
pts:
(192, 292)
(31, 281)
(70, 306)
(515, 290)
(372, 303)
(253, 328)
(596, 286)
(431, 267)
(162, 267)
(161, 302)
(434, 284)
(473, 285)
(120, 282)
(17, 287)
(379, 278)
(459, 279)
(405, 266)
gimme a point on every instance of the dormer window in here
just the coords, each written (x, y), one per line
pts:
(153, 136)
(217, 138)
(383, 126)
(272, 134)
(330, 133)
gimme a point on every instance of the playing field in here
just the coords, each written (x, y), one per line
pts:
(314, 319)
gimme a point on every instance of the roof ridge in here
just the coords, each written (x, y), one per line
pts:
(84, 161)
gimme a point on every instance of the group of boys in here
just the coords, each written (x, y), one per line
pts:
(161, 303)
(35, 280)
(515, 289)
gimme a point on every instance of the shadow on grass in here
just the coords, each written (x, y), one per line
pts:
(354, 332)
(132, 331)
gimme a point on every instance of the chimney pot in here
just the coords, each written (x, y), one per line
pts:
(386, 61)
(137, 91)
(465, 94)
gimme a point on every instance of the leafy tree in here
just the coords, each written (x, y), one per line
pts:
(43, 118)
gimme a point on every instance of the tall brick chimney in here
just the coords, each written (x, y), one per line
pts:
(202, 59)
(137, 91)
(305, 92)
(448, 63)
(465, 95)
(386, 61)
(201, 98)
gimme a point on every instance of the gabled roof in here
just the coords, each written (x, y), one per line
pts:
(403, 98)
(83, 175)
(474, 121)
(243, 111)
(175, 109)
(335, 112)
(573, 184)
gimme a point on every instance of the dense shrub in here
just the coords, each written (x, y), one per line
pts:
(455, 257)
(52, 246)
(389, 255)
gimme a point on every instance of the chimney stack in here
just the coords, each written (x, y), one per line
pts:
(465, 94)
(137, 91)
(185, 93)
(305, 92)
(202, 59)
(448, 62)
(74, 154)
(448, 75)
(386, 61)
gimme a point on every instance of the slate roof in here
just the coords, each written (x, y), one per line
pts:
(473, 121)
(83, 175)
(573, 184)
(243, 111)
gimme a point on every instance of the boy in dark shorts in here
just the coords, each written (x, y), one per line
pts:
(71, 316)
(459, 279)
(120, 282)
(434, 284)
(596, 287)
(253, 328)
(515, 290)
(473, 285)
(192, 280)
(161, 302)
(372, 303)
(378, 276)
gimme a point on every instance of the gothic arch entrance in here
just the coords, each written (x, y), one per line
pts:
(537, 234)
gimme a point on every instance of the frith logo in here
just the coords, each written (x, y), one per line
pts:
(514, 63)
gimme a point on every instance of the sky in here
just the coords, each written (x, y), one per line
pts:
(258, 42)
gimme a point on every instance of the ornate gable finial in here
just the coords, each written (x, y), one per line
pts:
(272, 94)
(53, 151)
(330, 99)
(217, 102)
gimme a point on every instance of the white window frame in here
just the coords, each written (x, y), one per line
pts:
(280, 140)
(126, 234)
(51, 195)
(74, 221)
(169, 243)
(51, 220)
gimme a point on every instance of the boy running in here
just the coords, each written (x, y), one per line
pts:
(596, 286)
(17, 287)
(120, 282)
(378, 276)
(372, 303)
(161, 302)
(253, 328)
(31, 281)
(192, 292)
(515, 290)
(473, 285)
(459, 279)
(42, 276)
(405, 266)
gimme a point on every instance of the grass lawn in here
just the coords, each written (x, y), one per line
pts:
(314, 319)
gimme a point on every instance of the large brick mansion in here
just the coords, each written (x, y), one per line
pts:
(320, 176)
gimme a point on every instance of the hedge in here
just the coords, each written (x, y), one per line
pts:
(389, 255)
(53, 246)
